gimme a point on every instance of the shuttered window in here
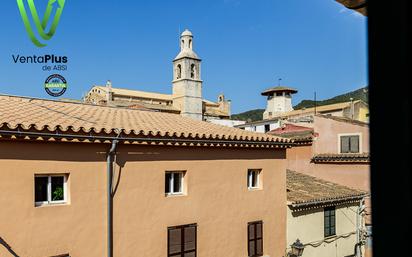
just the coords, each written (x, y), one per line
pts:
(181, 241)
(330, 221)
(255, 238)
(349, 144)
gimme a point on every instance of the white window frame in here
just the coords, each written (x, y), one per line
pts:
(258, 179)
(49, 196)
(171, 182)
(349, 134)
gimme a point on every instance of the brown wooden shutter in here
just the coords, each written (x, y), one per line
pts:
(344, 144)
(189, 247)
(354, 144)
(255, 238)
(182, 241)
(259, 239)
(251, 239)
(175, 242)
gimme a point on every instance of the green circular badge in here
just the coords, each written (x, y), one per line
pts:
(55, 85)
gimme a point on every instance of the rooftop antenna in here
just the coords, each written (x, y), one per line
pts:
(315, 102)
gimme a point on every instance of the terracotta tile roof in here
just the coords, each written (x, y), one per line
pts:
(291, 130)
(299, 134)
(342, 158)
(305, 190)
(40, 115)
(144, 106)
(137, 93)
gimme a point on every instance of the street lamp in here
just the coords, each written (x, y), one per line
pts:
(297, 249)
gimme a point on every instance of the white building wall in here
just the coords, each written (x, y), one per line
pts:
(308, 227)
(228, 123)
(261, 126)
(278, 104)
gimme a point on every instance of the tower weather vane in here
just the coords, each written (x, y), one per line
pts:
(279, 79)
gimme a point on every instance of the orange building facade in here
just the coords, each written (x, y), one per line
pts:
(53, 181)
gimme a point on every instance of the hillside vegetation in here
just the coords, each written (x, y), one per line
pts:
(251, 115)
(359, 94)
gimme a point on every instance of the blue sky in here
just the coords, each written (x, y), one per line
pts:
(246, 45)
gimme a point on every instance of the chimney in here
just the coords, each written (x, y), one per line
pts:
(109, 93)
(352, 108)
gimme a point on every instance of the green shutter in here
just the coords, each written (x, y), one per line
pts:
(354, 144)
(344, 144)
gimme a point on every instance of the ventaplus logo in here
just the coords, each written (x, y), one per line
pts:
(53, 7)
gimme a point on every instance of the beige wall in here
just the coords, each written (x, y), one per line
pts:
(217, 200)
(308, 226)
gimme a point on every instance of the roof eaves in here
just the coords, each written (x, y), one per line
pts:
(92, 135)
(336, 200)
(341, 158)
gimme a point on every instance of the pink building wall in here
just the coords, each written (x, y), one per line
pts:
(354, 175)
(329, 130)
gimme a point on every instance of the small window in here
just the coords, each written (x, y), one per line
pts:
(329, 221)
(349, 144)
(181, 241)
(279, 94)
(174, 183)
(267, 126)
(255, 238)
(50, 189)
(253, 177)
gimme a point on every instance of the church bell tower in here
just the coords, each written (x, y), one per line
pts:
(187, 83)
